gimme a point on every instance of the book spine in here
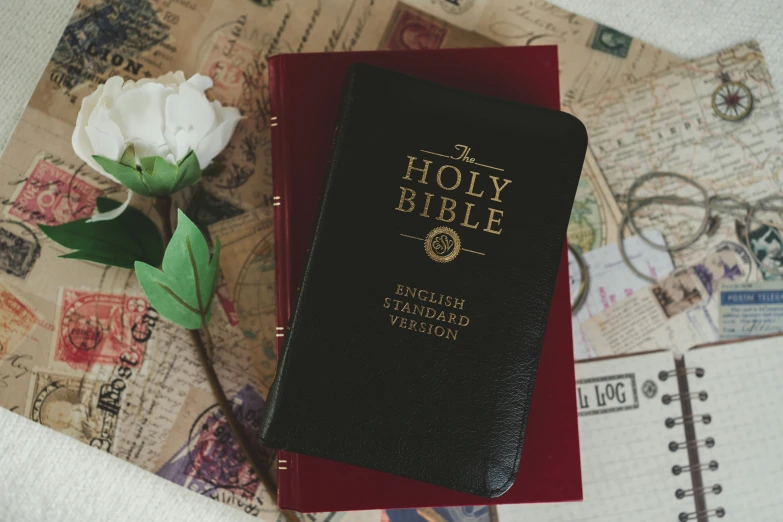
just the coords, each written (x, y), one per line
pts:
(281, 200)
(281, 203)
(688, 420)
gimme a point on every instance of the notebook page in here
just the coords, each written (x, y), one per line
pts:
(626, 462)
(744, 385)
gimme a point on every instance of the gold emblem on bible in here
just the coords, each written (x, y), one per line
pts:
(442, 244)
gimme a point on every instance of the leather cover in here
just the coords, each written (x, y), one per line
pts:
(370, 398)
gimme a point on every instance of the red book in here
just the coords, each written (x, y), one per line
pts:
(305, 97)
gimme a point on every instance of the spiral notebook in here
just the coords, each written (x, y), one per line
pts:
(667, 440)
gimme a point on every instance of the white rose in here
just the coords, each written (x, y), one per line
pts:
(166, 117)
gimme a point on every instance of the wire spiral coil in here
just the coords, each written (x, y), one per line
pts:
(708, 442)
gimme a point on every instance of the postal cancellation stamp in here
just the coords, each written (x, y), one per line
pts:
(19, 248)
(50, 195)
(97, 328)
(72, 405)
(16, 321)
(211, 462)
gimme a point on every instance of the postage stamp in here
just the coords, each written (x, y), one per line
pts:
(414, 30)
(608, 394)
(16, 321)
(767, 243)
(19, 248)
(98, 328)
(50, 195)
(211, 462)
(227, 64)
(611, 41)
(686, 287)
(678, 292)
(71, 405)
(750, 308)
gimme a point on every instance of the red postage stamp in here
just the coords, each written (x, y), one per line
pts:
(51, 196)
(16, 321)
(97, 328)
(414, 30)
(231, 64)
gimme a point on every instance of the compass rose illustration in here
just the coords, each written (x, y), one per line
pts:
(732, 101)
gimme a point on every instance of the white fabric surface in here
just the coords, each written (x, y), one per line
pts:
(45, 476)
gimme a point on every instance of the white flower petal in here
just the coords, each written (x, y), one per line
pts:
(80, 141)
(144, 149)
(112, 90)
(111, 140)
(190, 110)
(106, 146)
(106, 216)
(182, 144)
(200, 82)
(211, 145)
(139, 112)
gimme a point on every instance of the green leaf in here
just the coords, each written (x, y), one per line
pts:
(189, 172)
(119, 242)
(183, 291)
(160, 175)
(128, 176)
(129, 157)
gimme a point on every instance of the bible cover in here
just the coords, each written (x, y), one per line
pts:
(382, 369)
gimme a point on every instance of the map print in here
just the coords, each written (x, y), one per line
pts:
(667, 123)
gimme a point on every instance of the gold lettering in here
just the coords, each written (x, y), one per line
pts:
(440, 331)
(410, 292)
(403, 199)
(452, 318)
(448, 300)
(419, 295)
(387, 302)
(399, 290)
(467, 320)
(426, 210)
(495, 180)
(492, 219)
(430, 309)
(412, 325)
(397, 304)
(406, 308)
(418, 309)
(403, 322)
(441, 316)
(470, 188)
(465, 222)
(451, 334)
(393, 318)
(423, 171)
(459, 303)
(440, 181)
(444, 209)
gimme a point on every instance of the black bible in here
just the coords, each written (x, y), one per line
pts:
(414, 340)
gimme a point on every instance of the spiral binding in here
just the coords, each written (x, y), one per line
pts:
(707, 442)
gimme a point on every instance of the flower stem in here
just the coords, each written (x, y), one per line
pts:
(205, 350)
